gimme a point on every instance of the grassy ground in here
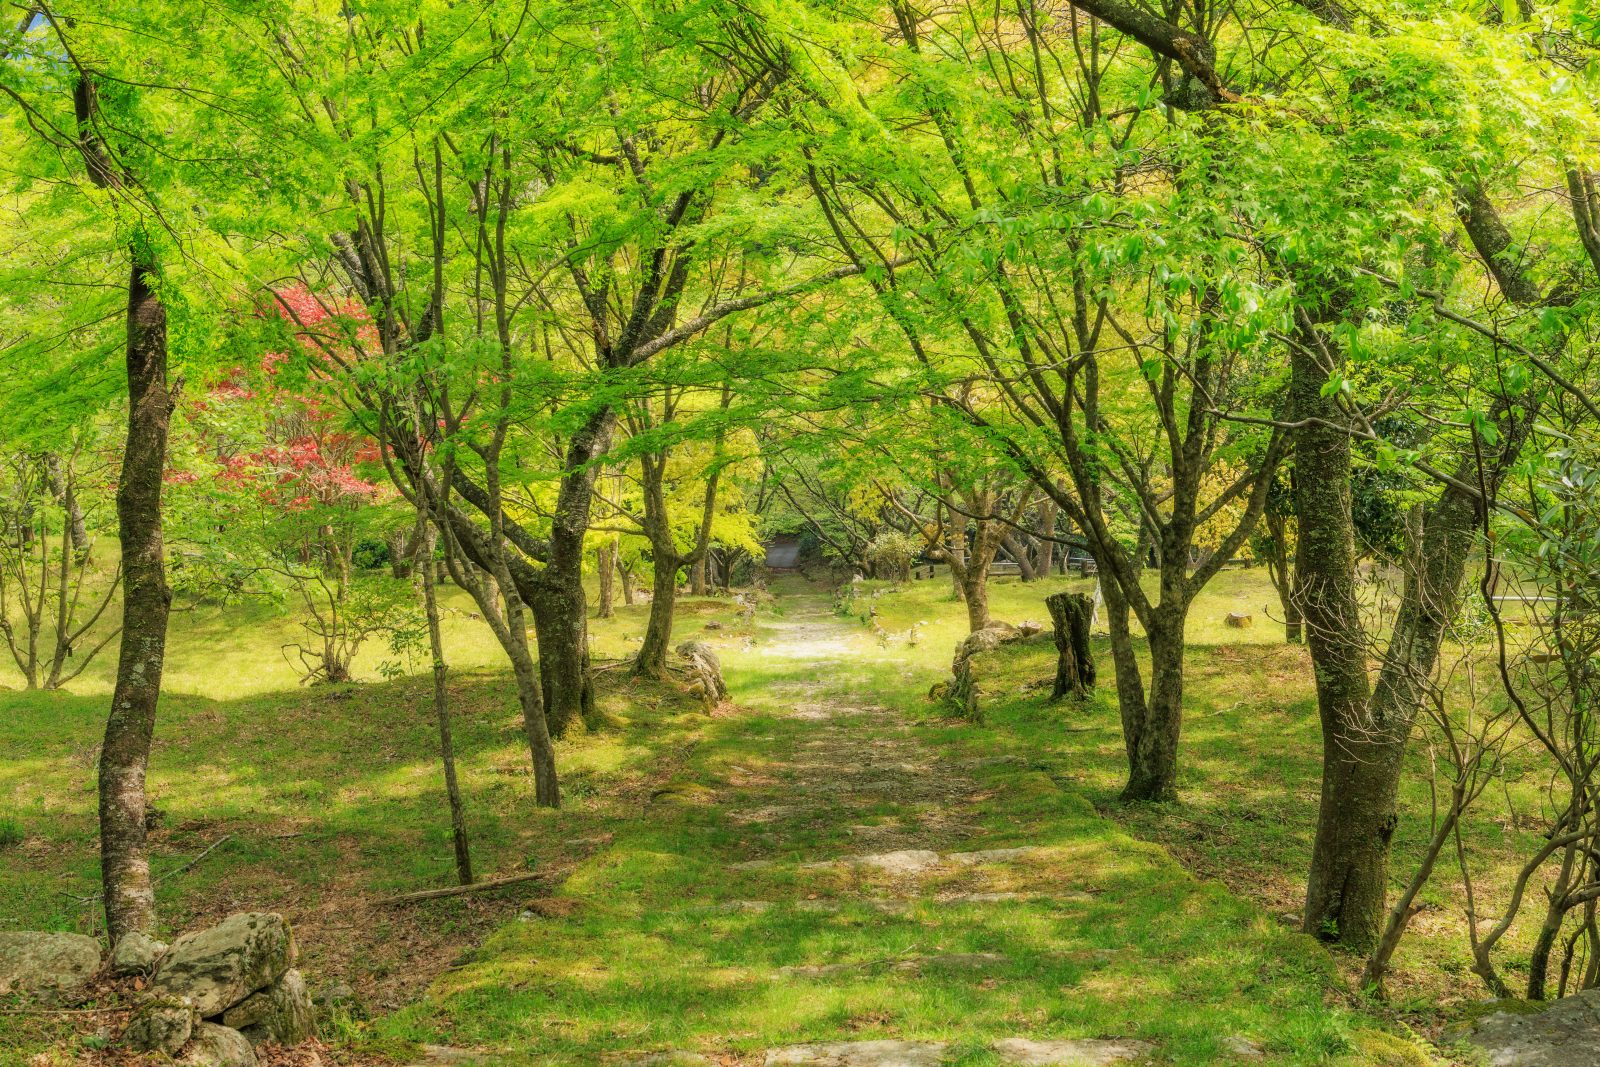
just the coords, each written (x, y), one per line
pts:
(1249, 775)
(329, 799)
(710, 926)
(324, 799)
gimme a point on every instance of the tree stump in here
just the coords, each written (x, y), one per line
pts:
(1070, 614)
(705, 673)
(1239, 620)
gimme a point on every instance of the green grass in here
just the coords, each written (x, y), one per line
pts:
(331, 797)
(1250, 766)
(1112, 937)
(328, 797)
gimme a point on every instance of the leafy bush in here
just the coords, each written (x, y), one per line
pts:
(370, 553)
(891, 553)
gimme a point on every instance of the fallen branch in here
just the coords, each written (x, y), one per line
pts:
(461, 890)
(213, 847)
(92, 898)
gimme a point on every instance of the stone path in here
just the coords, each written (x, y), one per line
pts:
(835, 881)
(861, 761)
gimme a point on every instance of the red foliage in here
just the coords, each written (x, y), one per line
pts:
(304, 457)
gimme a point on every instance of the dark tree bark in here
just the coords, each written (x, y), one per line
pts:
(1349, 867)
(1069, 615)
(605, 566)
(1152, 739)
(658, 527)
(441, 704)
(1281, 569)
(1017, 549)
(1044, 529)
(403, 550)
(652, 659)
(1365, 730)
(625, 577)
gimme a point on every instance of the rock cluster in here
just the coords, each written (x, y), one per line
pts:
(219, 992)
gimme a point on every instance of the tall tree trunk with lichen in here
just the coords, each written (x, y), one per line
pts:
(146, 600)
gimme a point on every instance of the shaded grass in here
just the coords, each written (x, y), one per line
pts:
(1249, 782)
(664, 945)
(324, 799)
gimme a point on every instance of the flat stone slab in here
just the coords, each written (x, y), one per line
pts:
(901, 861)
(446, 1056)
(1566, 1034)
(992, 855)
(860, 1054)
(1071, 1052)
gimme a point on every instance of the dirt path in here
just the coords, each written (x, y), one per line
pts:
(839, 877)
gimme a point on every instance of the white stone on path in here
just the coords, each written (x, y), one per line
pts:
(902, 861)
(991, 855)
(860, 1054)
(1087, 1052)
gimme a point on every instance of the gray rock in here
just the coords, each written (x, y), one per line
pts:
(219, 967)
(903, 861)
(1243, 1048)
(160, 1024)
(1566, 1034)
(1086, 1052)
(281, 1014)
(46, 962)
(218, 1046)
(136, 954)
(705, 672)
(860, 1054)
(992, 855)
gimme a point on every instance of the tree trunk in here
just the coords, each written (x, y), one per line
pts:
(441, 707)
(974, 587)
(560, 608)
(1069, 614)
(956, 553)
(559, 611)
(625, 575)
(1349, 864)
(1152, 745)
(403, 551)
(652, 659)
(1017, 548)
(125, 754)
(605, 566)
(535, 725)
(1281, 569)
(1045, 527)
(64, 487)
(697, 576)
(1124, 657)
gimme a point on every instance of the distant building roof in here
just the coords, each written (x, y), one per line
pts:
(783, 553)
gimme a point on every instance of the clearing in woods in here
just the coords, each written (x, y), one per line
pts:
(835, 876)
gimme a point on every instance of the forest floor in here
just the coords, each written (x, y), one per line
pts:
(827, 872)
(702, 895)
